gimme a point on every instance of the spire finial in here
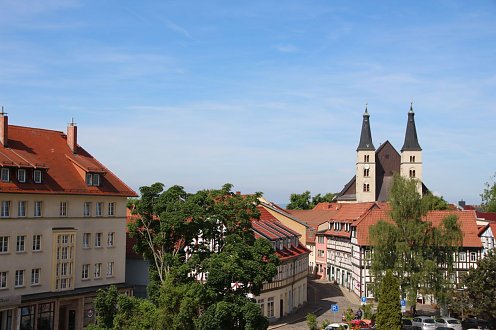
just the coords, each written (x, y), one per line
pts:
(72, 123)
(366, 108)
(3, 113)
(411, 106)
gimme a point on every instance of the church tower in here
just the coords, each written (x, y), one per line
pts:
(365, 164)
(411, 153)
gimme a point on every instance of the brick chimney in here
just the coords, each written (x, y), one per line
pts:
(4, 128)
(72, 136)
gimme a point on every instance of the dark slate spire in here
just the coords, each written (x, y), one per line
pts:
(411, 141)
(366, 136)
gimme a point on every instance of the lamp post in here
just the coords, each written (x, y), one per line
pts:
(462, 290)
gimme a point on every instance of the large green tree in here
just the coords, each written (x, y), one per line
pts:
(480, 284)
(305, 201)
(412, 247)
(205, 260)
(388, 309)
(489, 196)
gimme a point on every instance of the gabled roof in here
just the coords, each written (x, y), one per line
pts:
(466, 219)
(35, 148)
(491, 225)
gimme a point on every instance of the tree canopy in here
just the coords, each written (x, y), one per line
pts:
(388, 309)
(489, 196)
(305, 201)
(411, 247)
(205, 260)
(480, 286)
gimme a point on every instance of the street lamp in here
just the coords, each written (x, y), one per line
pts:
(462, 290)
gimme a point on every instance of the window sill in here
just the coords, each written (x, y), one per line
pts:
(111, 246)
(110, 276)
(37, 251)
(19, 286)
(98, 247)
(3, 289)
(85, 279)
(4, 253)
(86, 247)
(35, 285)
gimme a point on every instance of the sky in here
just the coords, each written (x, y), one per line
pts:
(266, 95)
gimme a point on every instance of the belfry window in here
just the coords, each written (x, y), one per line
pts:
(412, 159)
(412, 173)
(366, 187)
(366, 158)
(366, 172)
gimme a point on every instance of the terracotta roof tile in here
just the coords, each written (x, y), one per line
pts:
(466, 219)
(35, 148)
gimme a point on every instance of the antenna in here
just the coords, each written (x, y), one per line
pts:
(3, 113)
(72, 123)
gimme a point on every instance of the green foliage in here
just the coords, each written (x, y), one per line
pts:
(413, 248)
(311, 321)
(489, 196)
(324, 323)
(431, 202)
(132, 311)
(349, 314)
(168, 226)
(388, 309)
(304, 201)
(481, 286)
(368, 312)
(105, 304)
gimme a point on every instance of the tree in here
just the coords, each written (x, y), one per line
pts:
(411, 247)
(489, 196)
(388, 309)
(311, 321)
(106, 306)
(432, 202)
(187, 236)
(305, 201)
(481, 286)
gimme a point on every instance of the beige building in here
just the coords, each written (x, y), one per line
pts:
(62, 232)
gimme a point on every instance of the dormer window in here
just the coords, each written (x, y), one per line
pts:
(5, 174)
(21, 175)
(37, 176)
(92, 179)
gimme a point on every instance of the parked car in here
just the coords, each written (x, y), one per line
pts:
(449, 322)
(444, 328)
(408, 325)
(424, 322)
(335, 326)
(360, 324)
(473, 323)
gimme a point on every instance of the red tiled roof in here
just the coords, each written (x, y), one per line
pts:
(340, 233)
(491, 216)
(491, 225)
(335, 211)
(466, 219)
(35, 148)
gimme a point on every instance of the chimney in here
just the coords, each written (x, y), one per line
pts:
(4, 128)
(462, 204)
(72, 136)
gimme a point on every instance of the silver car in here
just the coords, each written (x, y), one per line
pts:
(424, 322)
(449, 322)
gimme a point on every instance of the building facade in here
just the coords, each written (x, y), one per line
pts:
(62, 233)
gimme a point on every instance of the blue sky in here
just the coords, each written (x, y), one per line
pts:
(266, 95)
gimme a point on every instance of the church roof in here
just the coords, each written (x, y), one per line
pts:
(366, 135)
(411, 141)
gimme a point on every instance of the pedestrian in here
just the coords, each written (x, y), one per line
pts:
(359, 314)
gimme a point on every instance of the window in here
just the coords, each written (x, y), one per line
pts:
(320, 253)
(368, 255)
(5, 211)
(37, 177)
(110, 269)
(111, 209)
(5, 174)
(63, 209)
(412, 159)
(92, 179)
(270, 307)
(366, 158)
(366, 172)
(261, 304)
(35, 276)
(3, 280)
(36, 242)
(37, 208)
(321, 239)
(366, 187)
(98, 270)
(4, 244)
(20, 246)
(473, 256)
(21, 208)
(86, 240)
(85, 274)
(98, 240)
(110, 239)
(21, 175)
(19, 278)
(462, 257)
(99, 209)
(87, 209)
(412, 173)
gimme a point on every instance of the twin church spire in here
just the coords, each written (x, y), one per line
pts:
(373, 170)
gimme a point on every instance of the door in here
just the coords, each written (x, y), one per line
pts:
(281, 308)
(72, 320)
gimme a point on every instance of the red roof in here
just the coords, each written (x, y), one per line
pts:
(35, 148)
(491, 225)
(491, 216)
(466, 219)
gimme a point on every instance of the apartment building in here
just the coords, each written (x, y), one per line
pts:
(62, 229)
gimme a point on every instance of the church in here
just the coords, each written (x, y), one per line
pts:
(375, 168)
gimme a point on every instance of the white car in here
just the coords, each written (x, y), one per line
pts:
(424, 322)
(335, 326)
(449, 322)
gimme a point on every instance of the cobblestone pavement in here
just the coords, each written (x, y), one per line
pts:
(321, 295)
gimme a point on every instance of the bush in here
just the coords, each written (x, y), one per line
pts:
(312, 321)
